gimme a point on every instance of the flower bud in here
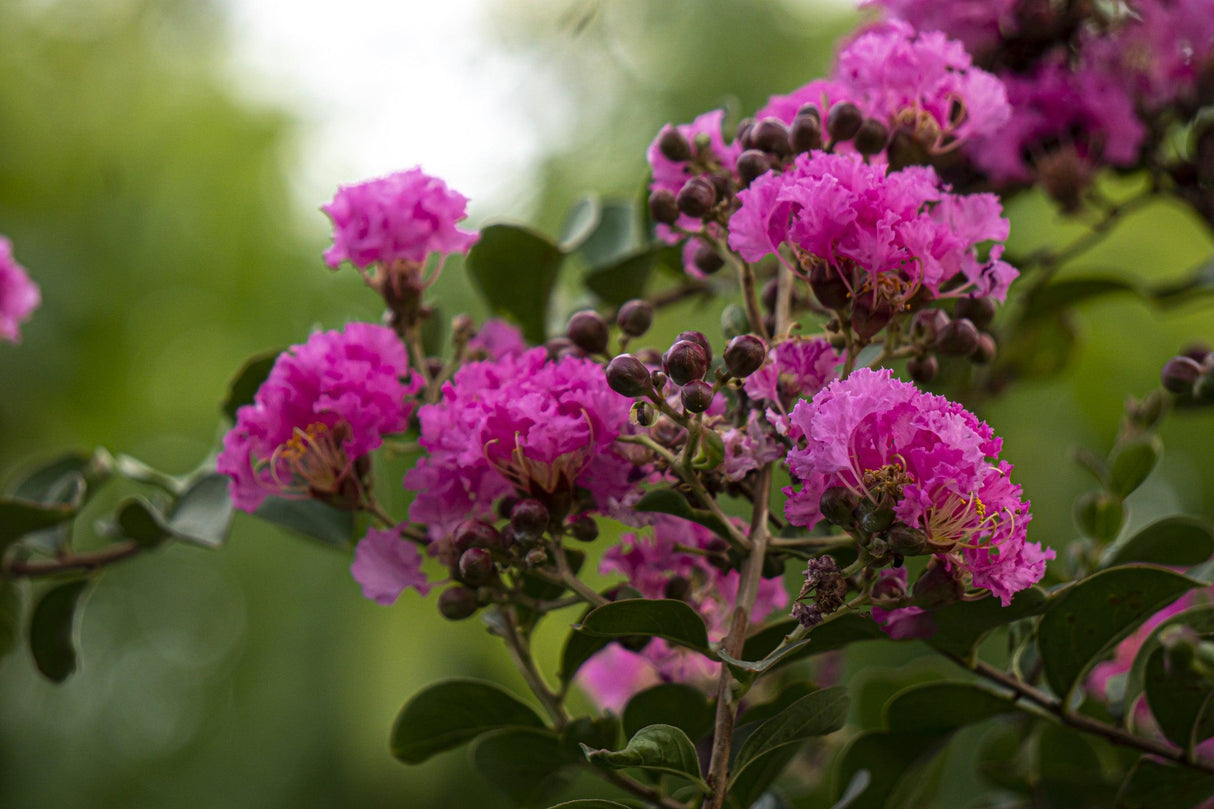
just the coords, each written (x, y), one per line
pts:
(684, 362)
(734, 321)
(559, 347)
(906, 541)
(706, 259)
(744, 355)
(871, 137)
(699, 339)
(979, 311)
(642, 414)
(927, 325)
(588, 331)
(937, 586)
(635, 317)
(844, 121)
(773, 565)
(678, 589)
(529, 519)
(874, 517)
(870, 316)
(806, 132)
(697, 396)
(664, 207)
(506, 505)
(959, 338)
(628, 376)
(584, 529)
(985, 352)
(659, 380)
(771, 136)
(476, 567)
(923, 369)
(475, 534)
(742, 138)
(673, 145)
(697, 197)
(838, 505)
(828, 286)
(1179, 374)
(1198, 352)
(457, 603)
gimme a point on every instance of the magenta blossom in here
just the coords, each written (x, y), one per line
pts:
(520, 424)
(887, 234)
(978, 24)
(900, 623)
(19, 296)
(795, 369)
(405, 216)
(325, 405)
(385, 564)
(931, 460)
(496, 339)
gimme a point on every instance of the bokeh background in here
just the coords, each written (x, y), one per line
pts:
(161, 165)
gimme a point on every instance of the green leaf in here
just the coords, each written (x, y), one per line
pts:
(579, 647)
(815, 714)
(1132, 462)
(668, 501)
(943, 707)
(661, 748)
(666, 618)
(1099, 514)
(1154, 785)
(21, 517)
(1173, 541)
(203, 513)
(247, 380)
(139, 520)
(450, 713)
(962, 626)
(524, 763)
(1201, 619)
(46, 484)
(311, 518)
(682, 706)
(755, 714)
(10, 616)
(581, 220)
(1089, 617)
(1179, 701)
(829, 637)
(52, 630)
(515, 269)
(887, 757)
(859, 782)
(624, 279)
(615, 235)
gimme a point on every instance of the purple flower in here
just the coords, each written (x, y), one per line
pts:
(325, 404)
(929, 459)
(402, 217)
(520, 424)
(749, 449)
(795, 369)
(19, 296)
(385, 564)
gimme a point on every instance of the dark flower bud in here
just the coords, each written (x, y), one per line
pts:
(699, 339)
(697, 197)
(1198, 352)
(664, 207)
(771, 136)
(509, 535)
(742, 137)
(434, 365)
(584, 529)
(874, 517)
(707, 260)
(588, 331)
(828, 286)
(697, 396)
(628, 376)
(906, 541)
(806, 132)
(457, 603)
(1179, 374)
(927, 325)
(476, 567)
(923, 369)
(529, 518)
(475, 534)
(979, 311)
(744, 355)
(871, 137)
(844, 121)
(870, 316)
(642, 414)
(810, 110)
(724, 185)
(684, 362)
(959, 338)
(673, 145)
(635, 318)
(559, 347)
(752, 164)
(506, 505)
(773, 566)
(985, 352)
(838, 505)
(659, 380)
(937, 586)
(678, 588)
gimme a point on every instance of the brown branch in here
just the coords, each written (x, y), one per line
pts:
(94, 560)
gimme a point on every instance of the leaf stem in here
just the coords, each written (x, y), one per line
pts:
(94, 560)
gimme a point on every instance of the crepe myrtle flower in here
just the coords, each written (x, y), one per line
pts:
(324, 406)
(19, 296)
(926, 466)
(980, 25)
(385, 564)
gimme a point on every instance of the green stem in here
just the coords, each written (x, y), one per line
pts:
(520, 653)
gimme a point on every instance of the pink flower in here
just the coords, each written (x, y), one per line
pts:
(385, 564)
(749, 449)
(520, 424)
(979, 24)
(19, 296)
(496, 339)
(402, 217)
(325, 404)
(795, 369)
(930, 460)
(900, 623)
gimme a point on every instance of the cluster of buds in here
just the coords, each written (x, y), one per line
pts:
(1190, 375)
(963, 335)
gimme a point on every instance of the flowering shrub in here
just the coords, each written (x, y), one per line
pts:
(790, 487)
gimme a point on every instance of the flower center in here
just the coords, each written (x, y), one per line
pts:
(314, 460)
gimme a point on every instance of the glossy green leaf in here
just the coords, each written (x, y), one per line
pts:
(756, 714)
(203, 514)
(1099, 515)
(581, 220)
(450, 713)
(10, 616)
(887, 757)
(134, 469)
(1155, 785)
(1091, 616)
(515, 269)
(829, 637)
(1180, 700)
(615, 235)
(624, 279)
(660, 748)
(1173, 541)
(941, 707)
(815, 714)
(311, 518)
(53, 628)
(139, 520)
(683, 706)
(962, 626)
(668, 501)
(21, 517)
(671, 620)
(526, 764)
(1132, 462)
(46, 483)
(247, 380)
(1200, 618)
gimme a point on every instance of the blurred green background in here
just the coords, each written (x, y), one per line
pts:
(155, 206)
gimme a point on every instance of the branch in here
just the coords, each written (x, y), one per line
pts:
(94, 560)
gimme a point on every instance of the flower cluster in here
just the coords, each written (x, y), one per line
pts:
(19, 296)
(918, 472)
(324, 406)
